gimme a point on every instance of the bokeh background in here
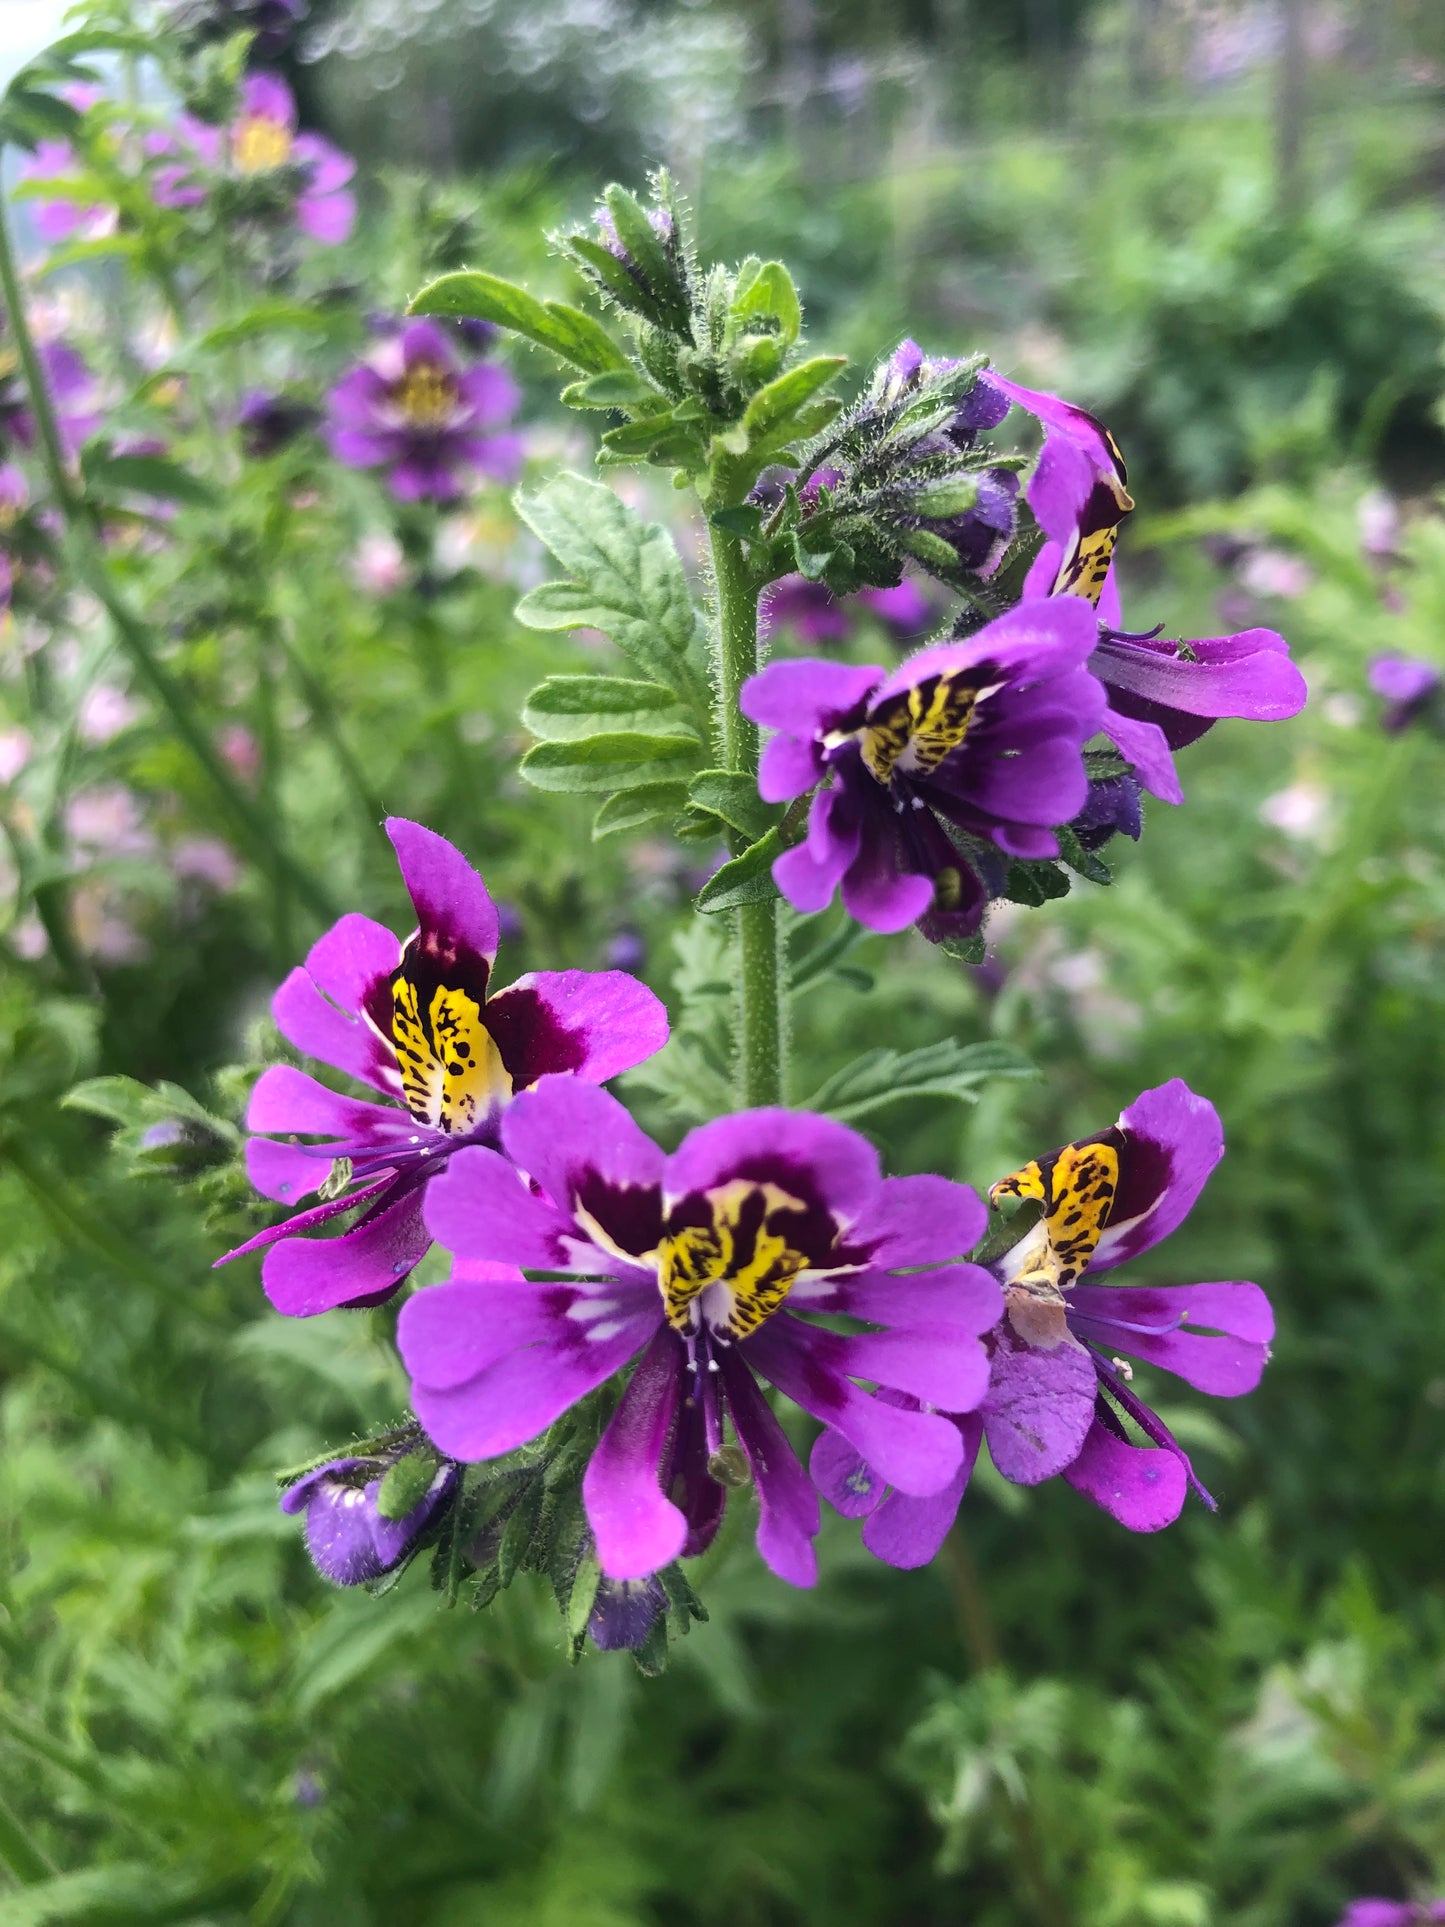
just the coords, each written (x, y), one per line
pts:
(1221, 227)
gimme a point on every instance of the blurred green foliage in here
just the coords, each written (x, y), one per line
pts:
(1240, 1722)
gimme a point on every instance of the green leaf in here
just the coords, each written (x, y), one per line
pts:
(734, 799)
(272, 317)
(779, 403)
(570, 334)
(1035, 883)
(617, 388)
(648, 256)
(768, 290)
(628, 580)
(147, 475)
(630, 809)
(104, 247)
(564, 708)
(930, 548)
(949, 1070)
(583, 1596)
(747, 879)
(406, 1485)
(745, 520)
(1085, 862)
(625, 760)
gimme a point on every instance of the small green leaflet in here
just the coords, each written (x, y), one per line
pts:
(949, 1070)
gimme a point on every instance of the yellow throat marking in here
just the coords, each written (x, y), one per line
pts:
(258, 144)
(1076, 1188)
(427, 395)
(752, 1260)
(451, 1071)
(917, 728)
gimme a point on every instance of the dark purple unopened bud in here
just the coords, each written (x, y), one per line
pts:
(268, 422)
(979, 535)
(984, 405)
(1113, 809)
(627, 951)
(346, 1535)
(625, 1611)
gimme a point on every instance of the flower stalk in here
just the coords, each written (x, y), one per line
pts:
(762, 1014)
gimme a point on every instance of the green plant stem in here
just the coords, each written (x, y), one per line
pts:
(87, 559)
(762, 1012)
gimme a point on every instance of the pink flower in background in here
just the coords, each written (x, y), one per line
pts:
(378, 565)
(105, 712)
(15, 751)
(107, 820)
(207, 860)
(240, 750)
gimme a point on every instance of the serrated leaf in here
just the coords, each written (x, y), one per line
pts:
(406, 1485)
(1035, 883)
(628, 581)
(565, 708)
(625, 759)
(746, 879)
(568, 332)
(734, 799)
(947, 1070)
(630, 809)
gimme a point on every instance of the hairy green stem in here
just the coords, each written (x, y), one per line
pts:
(762, 1012)
(87, 559)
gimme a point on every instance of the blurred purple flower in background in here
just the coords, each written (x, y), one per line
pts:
(261, 141)
(1409, 687)
(412, 409)
(269, 421)
(1392, 1913)
(815, 615)
(72, 392)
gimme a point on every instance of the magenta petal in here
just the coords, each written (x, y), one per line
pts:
(638, 1530)
(1172, 1141)
(812, 1156)
(907, 1533)
(286, 1101)
(308, 1220)
(1147, 748)
(564, 1132)
(522, 1394)
(1249, 675)
(939, 1368)
(958, 1300)
(352, 959)
(807, 879)
(803, 696)
(877, 894)
(1222, 1349)
(284, 1172)
(480, 1206)
(916, 1451)
(920, 1221)
(452, 1332)
(790, 767)
(327, 218)
(303, 1276)
(1034, 641)
(317, 1028)
(1141, 1486)
(596, 1023)
(1039, 1407)
(788, 1516)
(452, 903)
(844, 1476)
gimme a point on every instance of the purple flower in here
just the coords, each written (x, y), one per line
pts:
(1409, 688)
(1058, 1390)
(1392, 1913)
(1113, 809)
(72, 394)
(704, 1268)
(63, 219)
(985, 736)
(412, 409)
(260, 142)
(1163, 694)
(346, 1535)
(416, 1022)
(270, 422)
